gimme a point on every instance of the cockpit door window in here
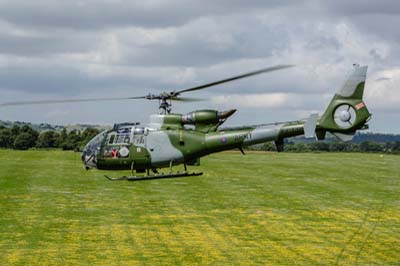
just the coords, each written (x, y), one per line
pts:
(118, 138)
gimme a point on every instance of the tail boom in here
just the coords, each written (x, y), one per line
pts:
(345, 114)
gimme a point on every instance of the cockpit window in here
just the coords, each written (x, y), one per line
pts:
(124, 130)
(94, 145)
(96, 141)
(119, 138)
(111, 139)
(139, 130)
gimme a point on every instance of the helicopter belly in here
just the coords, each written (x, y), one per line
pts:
(162, 152)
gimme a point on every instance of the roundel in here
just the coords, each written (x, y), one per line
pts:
(124, 152)
(345, 116)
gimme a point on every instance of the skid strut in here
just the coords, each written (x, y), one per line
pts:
(156, 175)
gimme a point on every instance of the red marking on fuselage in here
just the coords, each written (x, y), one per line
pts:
(360, 105)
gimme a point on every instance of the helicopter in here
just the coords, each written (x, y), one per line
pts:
(171, 139)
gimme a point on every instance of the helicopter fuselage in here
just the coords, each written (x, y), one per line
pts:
(172, 139)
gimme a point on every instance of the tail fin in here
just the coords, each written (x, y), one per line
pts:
(346, 112)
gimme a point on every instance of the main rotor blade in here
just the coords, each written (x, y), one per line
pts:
(69, 101)
(172, 95)
(186, 99)
(265, 70)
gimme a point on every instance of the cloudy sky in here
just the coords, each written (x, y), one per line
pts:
(116, 48)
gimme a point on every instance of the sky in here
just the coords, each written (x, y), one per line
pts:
(116, 48)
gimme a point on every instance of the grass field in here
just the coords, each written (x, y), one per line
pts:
(258, 209)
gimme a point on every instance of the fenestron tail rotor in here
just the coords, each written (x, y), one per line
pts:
(344, 116)
(165, 98)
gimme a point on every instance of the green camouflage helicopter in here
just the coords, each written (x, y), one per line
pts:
(171, 139)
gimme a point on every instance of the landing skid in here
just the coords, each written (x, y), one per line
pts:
(155, 176)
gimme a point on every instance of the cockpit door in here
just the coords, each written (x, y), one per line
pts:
(140, 154)
(139, 137)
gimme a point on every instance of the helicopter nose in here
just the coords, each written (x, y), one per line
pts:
(88, 160)
(91, 150)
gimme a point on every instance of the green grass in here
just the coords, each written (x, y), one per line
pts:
(258, 209)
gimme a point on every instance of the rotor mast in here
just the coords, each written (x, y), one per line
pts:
(165, 107)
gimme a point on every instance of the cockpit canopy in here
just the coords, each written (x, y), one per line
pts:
(92, 149)
(122, 135)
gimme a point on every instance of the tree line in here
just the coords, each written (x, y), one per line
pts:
(25, 137)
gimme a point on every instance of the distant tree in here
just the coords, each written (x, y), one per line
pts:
(297, 147)
(63, 136)
(318, 146)
(5, 138)
(15, 130)
(268, 146)
(27, 129)
(88, 134)
(48, 139)
(337, 146)
(392, 147)
(369, 146)
(72, 141)
(24, 141)
(23, 138)
(396, 147)
(342, 146)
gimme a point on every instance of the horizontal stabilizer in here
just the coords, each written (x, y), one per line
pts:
(310, 125)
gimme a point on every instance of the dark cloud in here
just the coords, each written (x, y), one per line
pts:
(45, 45)
(381, 25)
(208, 42)
(40, 78)
(65, 80)
(102, 14)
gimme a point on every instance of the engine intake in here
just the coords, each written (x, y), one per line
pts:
(206, 120)
(206, 117)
